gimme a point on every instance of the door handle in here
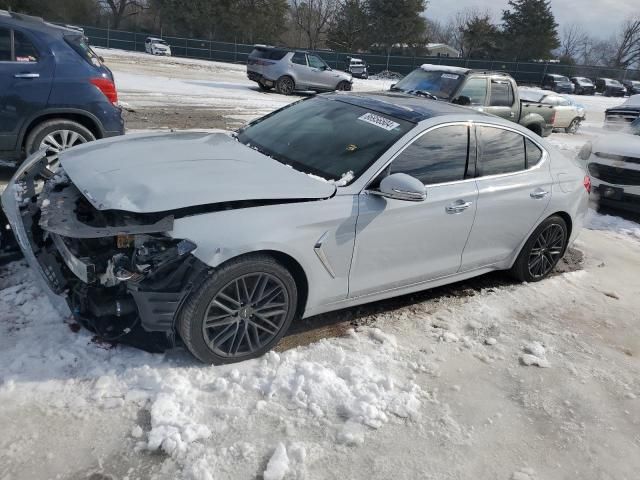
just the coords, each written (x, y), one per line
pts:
(458, 206)
(27, 75)
(538, 193)
(512, 115)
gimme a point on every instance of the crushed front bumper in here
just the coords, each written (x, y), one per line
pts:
(15, 201)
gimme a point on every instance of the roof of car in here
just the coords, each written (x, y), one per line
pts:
(35, 23)
(403, 106)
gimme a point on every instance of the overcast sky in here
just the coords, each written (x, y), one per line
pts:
(599, 17)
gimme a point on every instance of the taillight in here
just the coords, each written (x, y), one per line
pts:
(553, 117)
(107, 87)
(587, 183)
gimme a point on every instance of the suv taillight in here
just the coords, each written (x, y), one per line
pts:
(107, 87)
(587, 183)
(553, 117)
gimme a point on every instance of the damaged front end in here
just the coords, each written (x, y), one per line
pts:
(118, 273)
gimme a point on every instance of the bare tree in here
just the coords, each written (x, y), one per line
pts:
(572, 41)
(123, 8)
(313, 18)
(628, 45)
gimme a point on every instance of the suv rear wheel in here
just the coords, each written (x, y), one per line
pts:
(285, 85)
(55, 136)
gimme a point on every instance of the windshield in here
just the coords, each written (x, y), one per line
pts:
(159, 42)
(612, 82)
(438, 83)
(325, 137)
(81, 46)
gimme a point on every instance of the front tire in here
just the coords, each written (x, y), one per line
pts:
(285, 85)
(343, 86)
(542, 252)
(56, 136)
(240, 312)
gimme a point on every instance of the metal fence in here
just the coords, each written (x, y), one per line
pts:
(524, 72)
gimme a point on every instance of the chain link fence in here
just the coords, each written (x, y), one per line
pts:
(525, 73)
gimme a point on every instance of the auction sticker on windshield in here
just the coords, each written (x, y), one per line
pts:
(379, 121)
(450, 76)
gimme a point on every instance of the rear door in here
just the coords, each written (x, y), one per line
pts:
(514, 189)
(300, 69)
(501, 99)
(26, 75)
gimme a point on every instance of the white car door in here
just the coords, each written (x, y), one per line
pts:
(400, 243)
(514, 188)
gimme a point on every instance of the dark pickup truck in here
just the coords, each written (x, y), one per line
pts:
(490, 92)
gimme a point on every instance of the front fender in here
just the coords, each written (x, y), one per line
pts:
(293, 229)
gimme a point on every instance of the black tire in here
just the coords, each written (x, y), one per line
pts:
(52, 128)
(285, 85)
(217, 287)
(573, 126)
(523, 269)
(343, 86)
(264, 87)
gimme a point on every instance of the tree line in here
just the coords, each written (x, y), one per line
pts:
(526, 30)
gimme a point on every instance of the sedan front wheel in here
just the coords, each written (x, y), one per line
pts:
(240, 312)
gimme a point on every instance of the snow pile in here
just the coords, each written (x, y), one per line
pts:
(535, 354)
(278, 465)
(617, 225)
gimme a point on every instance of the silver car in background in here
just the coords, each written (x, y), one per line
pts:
(290, 70)
(569, 113)
(333, 201)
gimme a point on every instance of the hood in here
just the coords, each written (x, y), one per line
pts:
(161, 172)
(619, 144)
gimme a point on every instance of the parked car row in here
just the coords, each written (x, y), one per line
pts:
(585, 86)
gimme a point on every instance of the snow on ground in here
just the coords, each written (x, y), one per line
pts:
(435, 386)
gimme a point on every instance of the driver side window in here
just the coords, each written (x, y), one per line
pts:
(476, 90)
(438, 156)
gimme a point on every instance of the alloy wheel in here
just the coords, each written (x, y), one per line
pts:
(245, 315)
(58, 141)
(546, 250)
(286, 86)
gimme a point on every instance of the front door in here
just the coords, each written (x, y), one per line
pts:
(25, 84)
(320, 75)
(501, 99)
(400, 243)
(514, 189)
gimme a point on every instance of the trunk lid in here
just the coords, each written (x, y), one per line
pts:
(160, 172)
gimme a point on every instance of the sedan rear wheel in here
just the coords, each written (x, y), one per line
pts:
(240, 312)
(573, 126)
(543, 251)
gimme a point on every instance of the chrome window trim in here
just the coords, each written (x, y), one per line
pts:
(469, 123)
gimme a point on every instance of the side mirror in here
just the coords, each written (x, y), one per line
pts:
(462, 100)
(101, 58)
(401, 186)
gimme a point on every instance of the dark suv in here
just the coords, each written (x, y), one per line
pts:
(557, 83)
(55, 92)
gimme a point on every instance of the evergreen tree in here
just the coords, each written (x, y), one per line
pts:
(480, 38)
(349, 31)
(397, 22)
(530, 30)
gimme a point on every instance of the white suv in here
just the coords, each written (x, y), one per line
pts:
(157, 46)
(613, 162)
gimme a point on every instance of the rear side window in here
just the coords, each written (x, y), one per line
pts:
(268, 54)
(299, 58)
(5, 45)
(23, 48)
(534, 154)
(438, 156)
(502, 151)
(82, 48)
(501, 94)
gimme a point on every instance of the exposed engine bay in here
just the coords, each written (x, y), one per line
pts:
(119, 272)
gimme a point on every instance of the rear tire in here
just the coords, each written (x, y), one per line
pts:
(285, 85)
(56, 135)
(243, 321)
(542, 251)
(573, 126)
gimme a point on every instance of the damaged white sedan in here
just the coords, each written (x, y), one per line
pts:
(221, 241)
